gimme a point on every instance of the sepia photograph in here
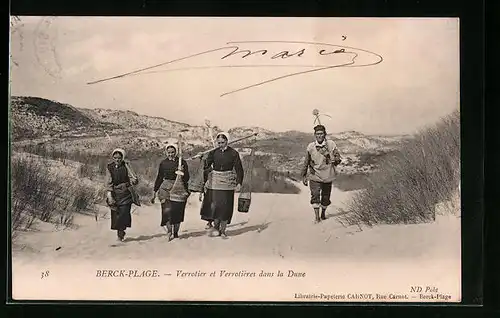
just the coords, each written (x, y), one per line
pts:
(235, 159)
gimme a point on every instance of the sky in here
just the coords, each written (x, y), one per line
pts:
(414, 83)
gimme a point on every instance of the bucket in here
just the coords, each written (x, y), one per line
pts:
(243, 205)
(244, 201)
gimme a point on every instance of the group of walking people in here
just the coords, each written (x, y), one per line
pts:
(222, 175)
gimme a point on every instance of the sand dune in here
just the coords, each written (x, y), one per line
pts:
(278, 229)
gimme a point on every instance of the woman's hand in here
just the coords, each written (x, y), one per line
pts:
(110, 202)
(109, 199)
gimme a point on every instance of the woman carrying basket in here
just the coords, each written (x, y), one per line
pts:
(225, 177)
(120, 194)
(172, 212)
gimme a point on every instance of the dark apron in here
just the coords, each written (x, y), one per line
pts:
(120, 211)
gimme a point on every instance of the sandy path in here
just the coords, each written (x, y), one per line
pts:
(276, 224)
(278, 229)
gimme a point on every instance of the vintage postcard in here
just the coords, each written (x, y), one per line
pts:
(235, 159)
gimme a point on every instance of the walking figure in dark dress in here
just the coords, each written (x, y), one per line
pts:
(225, 177)
(120, 194)
(172, 212)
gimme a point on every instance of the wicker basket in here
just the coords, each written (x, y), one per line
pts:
(178, 193)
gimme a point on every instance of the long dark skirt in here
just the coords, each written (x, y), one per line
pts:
(121, 217)
(218, 204)
(172, 212)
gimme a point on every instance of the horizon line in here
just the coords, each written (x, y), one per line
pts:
(200, 125)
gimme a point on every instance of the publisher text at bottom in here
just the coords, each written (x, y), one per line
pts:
(376, 297)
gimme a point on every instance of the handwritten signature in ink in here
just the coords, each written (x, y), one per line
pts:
(348, 57)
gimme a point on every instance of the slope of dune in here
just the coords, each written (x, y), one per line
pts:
(278, 232)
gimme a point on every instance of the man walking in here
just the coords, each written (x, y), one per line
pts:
(322, 156)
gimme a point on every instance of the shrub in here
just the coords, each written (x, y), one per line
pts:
(37, 193)
(411, 181)
(87, 170)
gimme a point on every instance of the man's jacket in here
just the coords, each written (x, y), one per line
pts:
(320, 161)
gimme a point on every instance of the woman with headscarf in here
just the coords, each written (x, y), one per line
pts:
(225, 177)
(172, 212)
(120, 194)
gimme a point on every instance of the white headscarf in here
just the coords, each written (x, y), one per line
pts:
(173, 146)
(225, 134)
(120, 151)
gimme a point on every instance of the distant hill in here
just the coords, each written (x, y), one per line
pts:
(40, 121)
(34, 117)
(132, 120)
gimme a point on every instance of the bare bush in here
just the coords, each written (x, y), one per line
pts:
(411, 181)
(39, 194)
(87, 170)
